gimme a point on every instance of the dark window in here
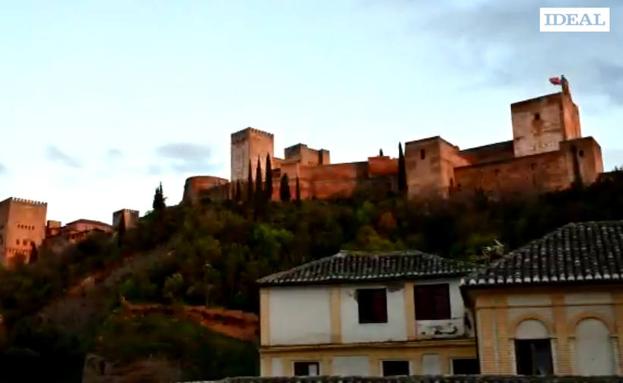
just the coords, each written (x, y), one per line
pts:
(537, 116)
(465, 367)
(534, 357)
(306, 369)
(395, 367)
(372, 305)
(581, 153)
(432, 302)
(422, 154)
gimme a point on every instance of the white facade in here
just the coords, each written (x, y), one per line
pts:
(354, 332)
(302, 315)
(351, 366)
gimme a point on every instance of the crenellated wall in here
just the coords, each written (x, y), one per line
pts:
(547, 153)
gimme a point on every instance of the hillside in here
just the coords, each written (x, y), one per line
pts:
(162, 294)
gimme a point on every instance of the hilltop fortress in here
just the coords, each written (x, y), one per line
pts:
(547, 153)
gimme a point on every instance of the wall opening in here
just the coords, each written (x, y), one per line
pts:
(465, 367)
(594, 354)
(306, 368)
(372, 305)
(396, 368)
(432, 302)
(533, 350)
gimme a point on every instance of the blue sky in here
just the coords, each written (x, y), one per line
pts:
(101, 100)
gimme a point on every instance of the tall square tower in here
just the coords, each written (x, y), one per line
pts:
(22, 227)
(249, 144)
(541, 124)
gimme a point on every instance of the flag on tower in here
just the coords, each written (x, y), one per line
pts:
(555, 80)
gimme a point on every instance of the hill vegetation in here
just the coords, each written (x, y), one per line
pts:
(213, 253)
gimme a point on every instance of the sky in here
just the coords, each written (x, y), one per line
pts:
(102, 100)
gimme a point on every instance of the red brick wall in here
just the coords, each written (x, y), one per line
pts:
(382, 166)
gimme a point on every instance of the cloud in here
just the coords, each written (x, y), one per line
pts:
(499, 44)
(114, 153)
(56, 155)
(183, 157)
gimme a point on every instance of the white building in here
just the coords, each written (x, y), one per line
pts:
(367, 314)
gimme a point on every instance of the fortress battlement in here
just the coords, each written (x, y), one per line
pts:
(245, 133)
(25, 201)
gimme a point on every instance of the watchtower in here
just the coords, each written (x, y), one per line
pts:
(541, 124)
(249, 144)
(22, 228)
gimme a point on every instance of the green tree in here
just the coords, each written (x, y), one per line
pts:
(284, 189)
(298, 191)
(159, 199)
(237, 192)
(250, 183)
(173, 287)
(268, 187)
(259, 192)
(402, 171)
(381, 152)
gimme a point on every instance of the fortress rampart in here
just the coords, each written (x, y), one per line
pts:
(547, 153)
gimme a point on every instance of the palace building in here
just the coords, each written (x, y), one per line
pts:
(547, 152)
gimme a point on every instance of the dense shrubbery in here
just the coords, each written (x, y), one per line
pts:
(200, 353)
(219, 250)
(222, 248)
(27, 288)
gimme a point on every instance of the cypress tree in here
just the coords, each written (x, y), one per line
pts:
(250, 184)
(159, 199)
(259, 193)
(402, 171)
(298, 191)
(238, 192)
(381, 152)
(268, 188)
(284, 189)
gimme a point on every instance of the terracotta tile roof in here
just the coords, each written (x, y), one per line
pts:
(576, 252)
(357, 266)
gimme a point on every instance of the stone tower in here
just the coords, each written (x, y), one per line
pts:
(540, 124)
(130, 216)
(22, 226)
(249, 144)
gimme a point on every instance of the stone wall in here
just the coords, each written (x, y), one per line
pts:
(534, 174)
(307, 156)
(199, 186)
